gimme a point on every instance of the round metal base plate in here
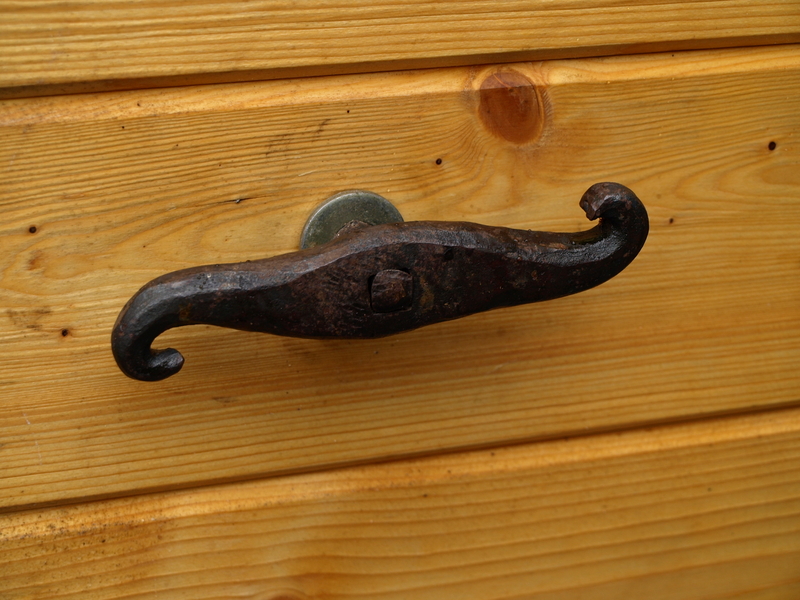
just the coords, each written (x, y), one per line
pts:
(342, 208)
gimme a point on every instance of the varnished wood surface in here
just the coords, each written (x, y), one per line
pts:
(90, 45)
(101, 193)
(690, 512)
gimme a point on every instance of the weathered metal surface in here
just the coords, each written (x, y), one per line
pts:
(384, 279)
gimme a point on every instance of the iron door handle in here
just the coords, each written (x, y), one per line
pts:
(379, 280)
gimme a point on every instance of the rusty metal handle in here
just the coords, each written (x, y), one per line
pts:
(383, 279)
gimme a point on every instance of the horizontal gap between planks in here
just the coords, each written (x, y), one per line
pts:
(312, 71)
(596, 443)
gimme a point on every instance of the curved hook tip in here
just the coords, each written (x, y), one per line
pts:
(154, 366)
(163, 364)
(602, 198)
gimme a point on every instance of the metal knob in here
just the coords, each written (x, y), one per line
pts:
(378, 280)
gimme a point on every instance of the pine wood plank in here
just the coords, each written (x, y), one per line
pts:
(91, 45)
(124, 187)
(695, 511)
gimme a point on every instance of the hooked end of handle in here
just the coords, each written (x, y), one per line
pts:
(162, 364)
(622, 215)
(611, 201)
(138, 361)
(140, 322)
(608, 199)
(154, 366)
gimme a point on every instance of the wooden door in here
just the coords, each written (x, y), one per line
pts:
(636, 440)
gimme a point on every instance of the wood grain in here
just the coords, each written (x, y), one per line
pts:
(92, 45)
(101, 193)
(697, 511)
